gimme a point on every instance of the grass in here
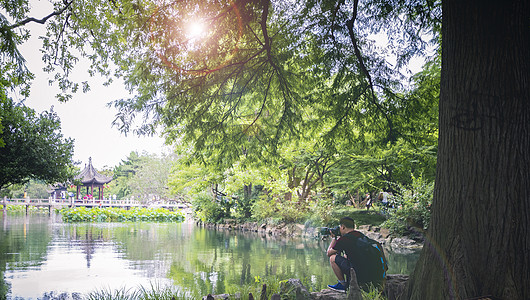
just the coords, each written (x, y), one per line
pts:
(158, 292)
(153, 292)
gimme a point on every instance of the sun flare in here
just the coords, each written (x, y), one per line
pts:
(196, 29)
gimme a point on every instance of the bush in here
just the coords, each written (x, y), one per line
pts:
(322, 212)
(206, 209)
(264, 208)
(272, 209)
(410, 209)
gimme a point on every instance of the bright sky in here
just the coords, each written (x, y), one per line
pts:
(85, 118)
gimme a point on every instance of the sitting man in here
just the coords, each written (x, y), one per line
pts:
(364, 255)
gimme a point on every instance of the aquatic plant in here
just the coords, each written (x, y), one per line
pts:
(22, 208)
(111, 214)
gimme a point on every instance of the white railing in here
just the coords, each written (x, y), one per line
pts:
(87, 202)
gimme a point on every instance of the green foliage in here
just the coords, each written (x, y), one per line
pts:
(150, 180)
(153, 292)
(206, 209)
(159, 292)
(22, 209)
(34, 189)
(188, 177)
(361, 216)
(296, 99)
(372, 293)
(275, 210)
(380, 166)
(410, 209)
(143, 176)
(264, 208)
(34, 147)
(321, 211)
(123, 174)
(82, 214)
(108, 294)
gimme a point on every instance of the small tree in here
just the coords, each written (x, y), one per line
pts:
(33, 146)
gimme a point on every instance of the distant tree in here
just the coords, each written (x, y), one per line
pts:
(151, 177)
(33, 146)
(123, 174)
(34, 189)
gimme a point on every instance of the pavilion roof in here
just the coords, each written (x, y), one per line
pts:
(89, 175)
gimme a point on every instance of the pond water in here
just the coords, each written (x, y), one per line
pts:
(41, 256)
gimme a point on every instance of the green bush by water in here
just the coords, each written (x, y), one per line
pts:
(97, 214)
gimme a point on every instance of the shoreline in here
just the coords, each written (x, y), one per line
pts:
(398, 244)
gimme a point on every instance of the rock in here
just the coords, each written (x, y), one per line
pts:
(375, 236)
(384, 232)
(216, 297)
(354, 292)
(328, 294)
(364, 228)
(395, 286)
(404, 245)
(294, 289)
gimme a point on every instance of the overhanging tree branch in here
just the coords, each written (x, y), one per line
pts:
(43, 20)
(364, 69)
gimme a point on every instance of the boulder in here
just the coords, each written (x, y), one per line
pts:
(364, 228)
(216, 297)
(404, 245)
(384, 232)
(294, 289)
(375, 236)
(327, 294)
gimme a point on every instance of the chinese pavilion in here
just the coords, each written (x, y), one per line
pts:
(90, 178)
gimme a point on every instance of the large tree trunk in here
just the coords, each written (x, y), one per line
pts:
(479, 240)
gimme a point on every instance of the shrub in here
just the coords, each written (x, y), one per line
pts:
(264, 208)
(322, 211)
(206, 209)
(410, 209)
(275, 210)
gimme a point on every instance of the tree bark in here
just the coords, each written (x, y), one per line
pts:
(478, 243)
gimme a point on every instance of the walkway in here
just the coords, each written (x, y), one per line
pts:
(59, 203)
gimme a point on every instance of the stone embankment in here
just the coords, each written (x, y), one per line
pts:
(394, 243)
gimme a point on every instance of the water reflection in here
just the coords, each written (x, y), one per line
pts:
(40, 254)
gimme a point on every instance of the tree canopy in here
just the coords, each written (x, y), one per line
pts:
(33, 146)
(265, 72)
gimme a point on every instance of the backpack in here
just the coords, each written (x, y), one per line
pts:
(375, 262)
